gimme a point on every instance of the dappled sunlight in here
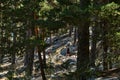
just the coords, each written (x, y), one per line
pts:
(60, 40)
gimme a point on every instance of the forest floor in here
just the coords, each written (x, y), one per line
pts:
(56, 72)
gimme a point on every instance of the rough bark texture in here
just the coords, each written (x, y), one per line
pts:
(83, 43)
(41, 64)
(83, 51)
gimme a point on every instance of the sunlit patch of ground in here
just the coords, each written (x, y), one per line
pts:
(4, 78)
(5, 65)
(4, 72)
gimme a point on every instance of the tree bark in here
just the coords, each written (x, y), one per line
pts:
(41, 64)
(75, 35)
(1, 56)
(110, 64)
(13, 58)
(83, 51)
(26, 59)
(29, 64)
(70, 30)
(83, 43)
(44, 54)
(105, 46)
(50, 38)
(13, 55)
(93, 45)
(1, 52)
(40, 56)
(29, 56)
(44, 58)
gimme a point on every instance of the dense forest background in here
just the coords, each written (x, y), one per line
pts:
(28, 28)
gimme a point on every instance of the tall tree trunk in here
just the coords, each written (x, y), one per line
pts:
(13, 58)
(83, 51)
(104, 38)
(41, 64)
(1, 36)
(13, 55)
(1, 56)
(70, 30)
(75, 34)
(93, 45)
(29, 57)
(1, 49)
(50, 38)
(26, 58)
(110, 63)
(110, 59)
(83, 43)
(44, 58)
(93, 38)
(105, 46)
(28, 34)
(105, 63)
(39, 55)
(44, 54)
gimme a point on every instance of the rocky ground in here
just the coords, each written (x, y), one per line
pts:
(58, 68)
